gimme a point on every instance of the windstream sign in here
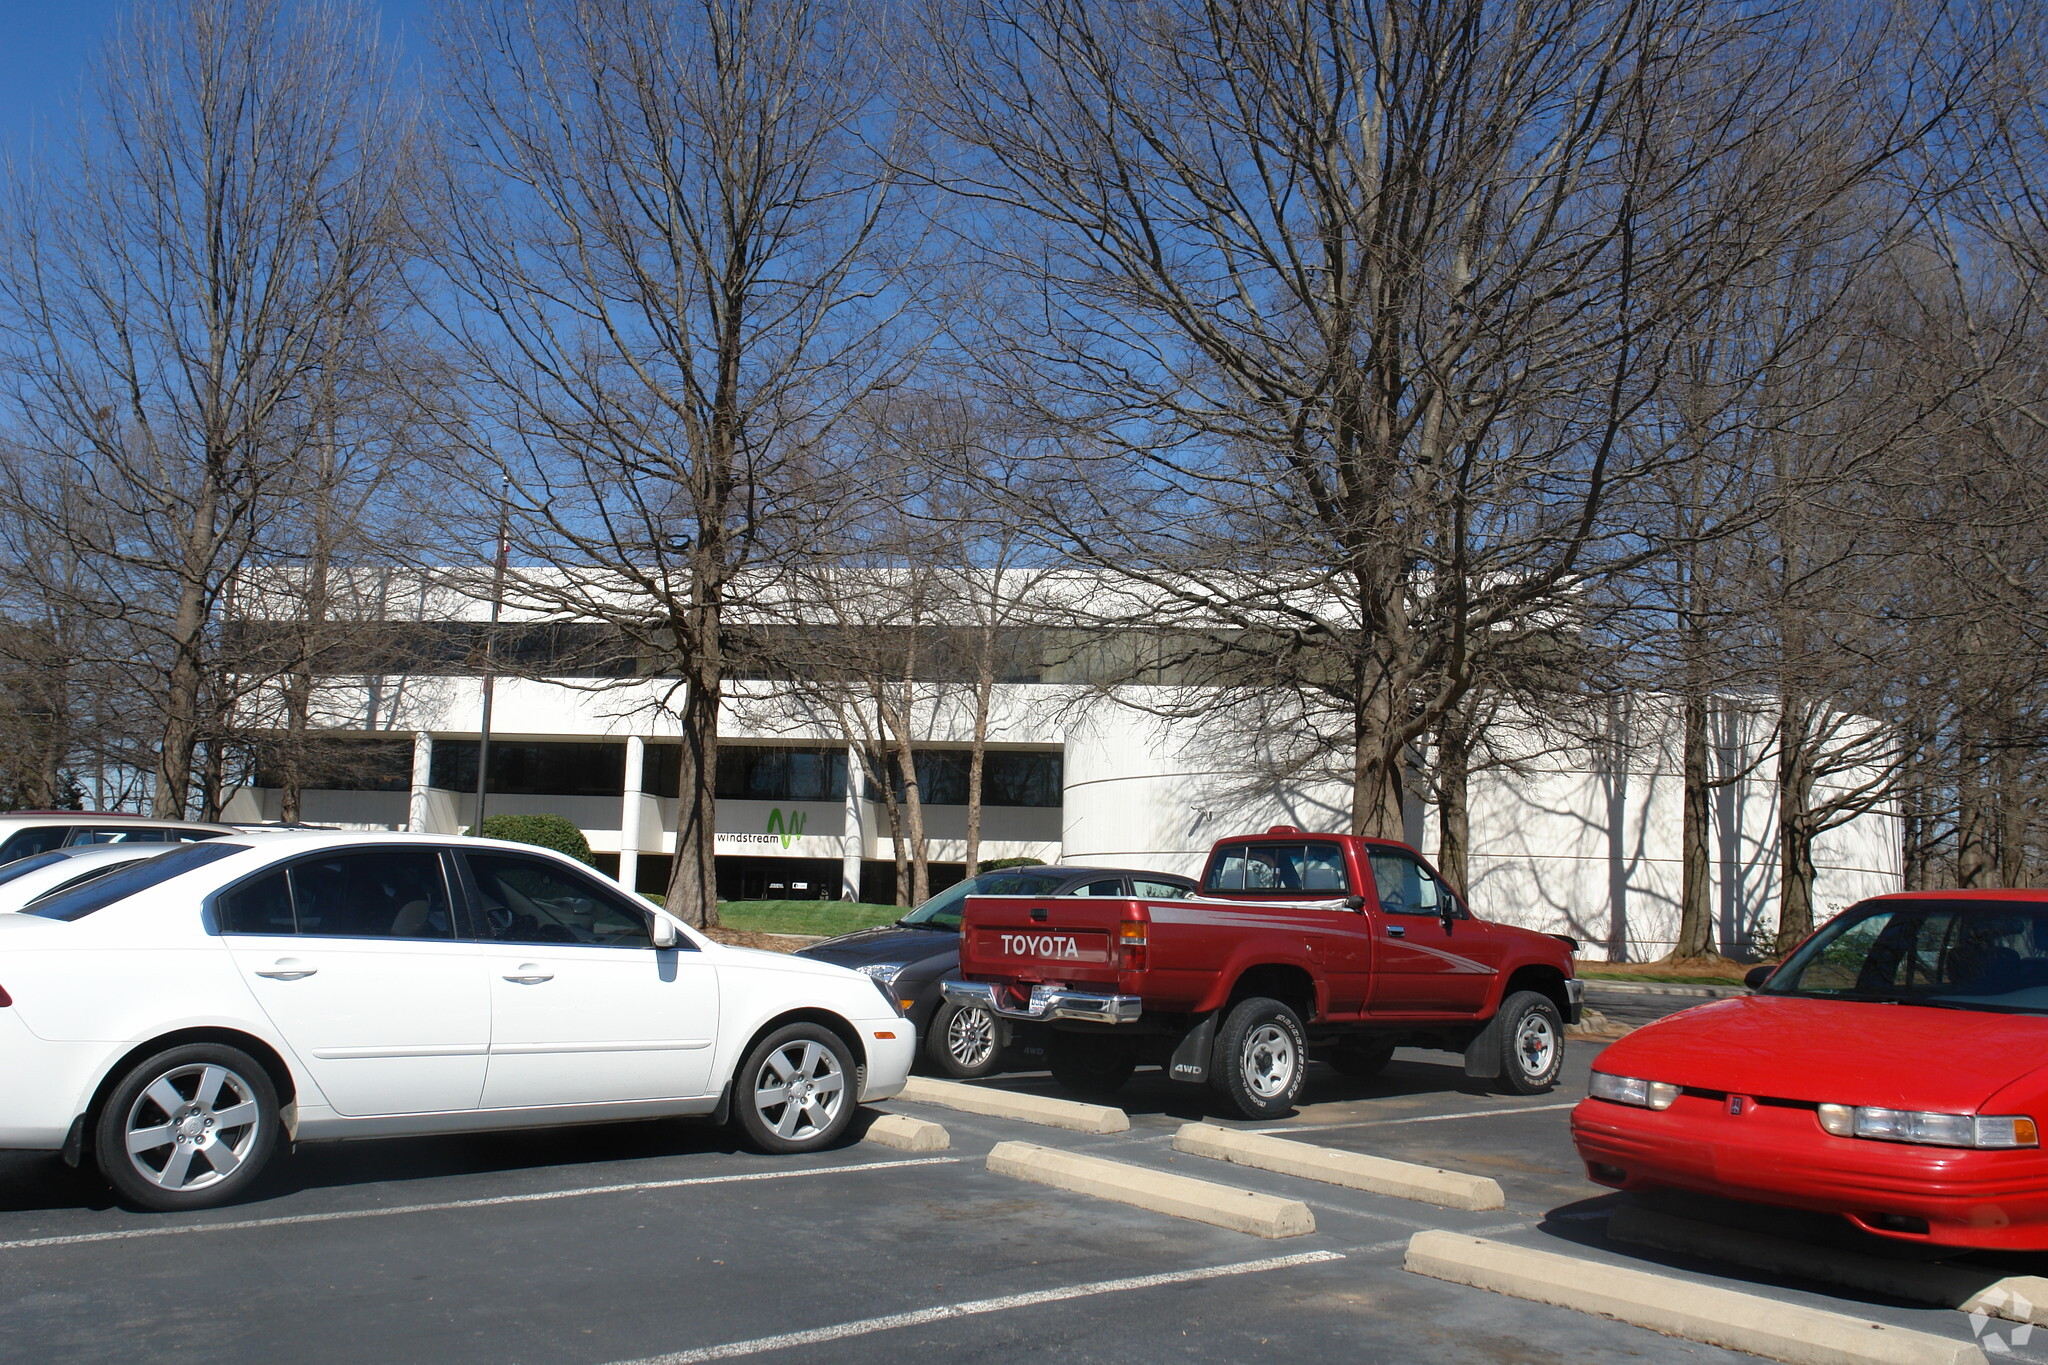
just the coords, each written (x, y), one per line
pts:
(777, 827)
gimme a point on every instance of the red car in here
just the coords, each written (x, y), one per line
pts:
(1892, 1071)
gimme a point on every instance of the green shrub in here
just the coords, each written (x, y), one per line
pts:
(998, 864)
(542, 831)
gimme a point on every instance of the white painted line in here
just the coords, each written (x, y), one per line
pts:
(1418, 1118)
(944, 1312)
(345, 1215)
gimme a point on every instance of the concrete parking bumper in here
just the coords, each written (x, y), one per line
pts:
(1353, 1170)
(1005, 1104)
(1680, 1308)
(1180, 1196)
(907, 1134)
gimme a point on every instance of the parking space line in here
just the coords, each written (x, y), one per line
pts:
(944, 1312)
(1418, 1118)
(344, 1215)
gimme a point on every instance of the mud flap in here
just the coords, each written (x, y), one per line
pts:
(1190, 1064)
(1482, 1054)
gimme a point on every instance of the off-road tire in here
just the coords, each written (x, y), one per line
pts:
(1531, 1040)
(1260, 1057)
(1094, 1064)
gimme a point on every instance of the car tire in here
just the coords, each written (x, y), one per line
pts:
(1531, 1040)
(963, 1041)
(1261, 1053)
(796, 1090)
(1094, 1064)
(1361, 1058)
(215, 1109)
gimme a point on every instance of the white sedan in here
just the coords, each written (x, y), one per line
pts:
(27, 880)
(172, 1020)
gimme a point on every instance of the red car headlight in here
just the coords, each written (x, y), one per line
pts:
(1929, 1129)
(1631, 1090)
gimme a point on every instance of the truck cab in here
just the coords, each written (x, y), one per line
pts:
(1295, 942)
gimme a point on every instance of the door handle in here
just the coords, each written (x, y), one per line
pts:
(1397, 931)
(529, 974)
(286, 969)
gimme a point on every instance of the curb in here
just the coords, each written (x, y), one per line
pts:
(1180, 1196)
(907, 1134)
(1680, 1308)
(1353, 1170)
(2016, 1298)
(1644, 988)
(1005, 1104)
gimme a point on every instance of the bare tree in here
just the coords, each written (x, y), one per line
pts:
(214, 246)
(1367, 302)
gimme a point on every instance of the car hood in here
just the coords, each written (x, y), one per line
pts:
(865, 947)
(1836, 1052)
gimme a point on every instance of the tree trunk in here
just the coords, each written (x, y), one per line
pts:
(182, 689)
(1976, 858)
(1795, 834)
(1453, 811)
(1377, 768)
(693, 877)
(1695, 897)
(977, 758)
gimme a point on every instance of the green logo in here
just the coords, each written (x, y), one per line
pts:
(787, 829)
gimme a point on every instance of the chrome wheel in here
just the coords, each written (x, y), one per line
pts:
(191, 1127)
(970, 1037)
(1536, 1045)
(799, 1090)
(1268, 1061)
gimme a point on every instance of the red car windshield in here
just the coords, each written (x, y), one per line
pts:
(1984, 955)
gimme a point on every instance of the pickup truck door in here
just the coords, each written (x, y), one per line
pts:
(1427, 964)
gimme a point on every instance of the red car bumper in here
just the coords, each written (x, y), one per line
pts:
(1778, 1154)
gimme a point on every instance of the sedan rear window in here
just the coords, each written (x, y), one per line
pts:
(81, 901)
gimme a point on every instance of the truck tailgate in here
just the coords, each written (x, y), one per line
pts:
(1065, 939)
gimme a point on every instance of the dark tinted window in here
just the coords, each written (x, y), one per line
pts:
(1113, 886)
(121, 834)
(32, 841)
(1277, 867)
(141, 875)
(1156, 890)
(1009, 778)
(534, 768)
(944, 909)
(345, 764)
(261, 906)
(530, 900)
(373, 893)
(755, 772)
(16, 868)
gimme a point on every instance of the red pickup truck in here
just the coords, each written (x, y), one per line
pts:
(1296, 942)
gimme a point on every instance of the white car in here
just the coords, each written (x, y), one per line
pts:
(173, 1020)
(27, 880)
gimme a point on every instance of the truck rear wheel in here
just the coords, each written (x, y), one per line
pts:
(1261, 1053)
(1531, 1043)
(1091, 1063)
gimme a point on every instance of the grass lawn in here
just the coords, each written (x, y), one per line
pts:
(1718, 971)
(805, 917)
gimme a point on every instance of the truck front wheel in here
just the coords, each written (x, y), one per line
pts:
(1531, 1043)
(1091, 1063)
(1261, 1053)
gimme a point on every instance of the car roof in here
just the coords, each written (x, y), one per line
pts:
(109, 817)
(2021, 895)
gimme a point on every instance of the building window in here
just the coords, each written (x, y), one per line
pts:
(339, 763)
(1009, 777)
(759, 772)
(533, 768)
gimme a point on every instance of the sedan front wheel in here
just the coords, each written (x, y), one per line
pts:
(797, 1090)
(964, 1041)
(188, 1128)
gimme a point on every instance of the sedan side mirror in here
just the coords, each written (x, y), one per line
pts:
(1756, 976)
(664, 932)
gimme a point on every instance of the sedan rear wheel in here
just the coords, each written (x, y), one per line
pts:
(188, 1128)
(797, 1089)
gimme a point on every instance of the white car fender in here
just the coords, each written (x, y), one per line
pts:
(757, 987)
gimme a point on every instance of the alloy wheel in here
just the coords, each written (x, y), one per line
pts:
(192, 1127)
(799, 1089)
(970, 1037)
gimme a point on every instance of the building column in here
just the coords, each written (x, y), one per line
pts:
(422, 775)
(849, 833)
(629, 812)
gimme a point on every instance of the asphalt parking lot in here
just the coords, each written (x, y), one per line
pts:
(666, 1241)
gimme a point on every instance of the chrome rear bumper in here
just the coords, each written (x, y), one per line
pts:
(1047, 1002)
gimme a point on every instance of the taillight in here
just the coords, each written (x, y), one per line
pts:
(1131, 938)
(5, 998)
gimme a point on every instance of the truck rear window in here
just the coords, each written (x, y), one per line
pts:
(1276, 867)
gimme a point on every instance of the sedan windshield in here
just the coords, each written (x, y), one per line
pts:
(125, 881)
(943, 911)
(1989, 955)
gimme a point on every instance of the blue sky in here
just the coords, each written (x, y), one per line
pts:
(47, 47)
